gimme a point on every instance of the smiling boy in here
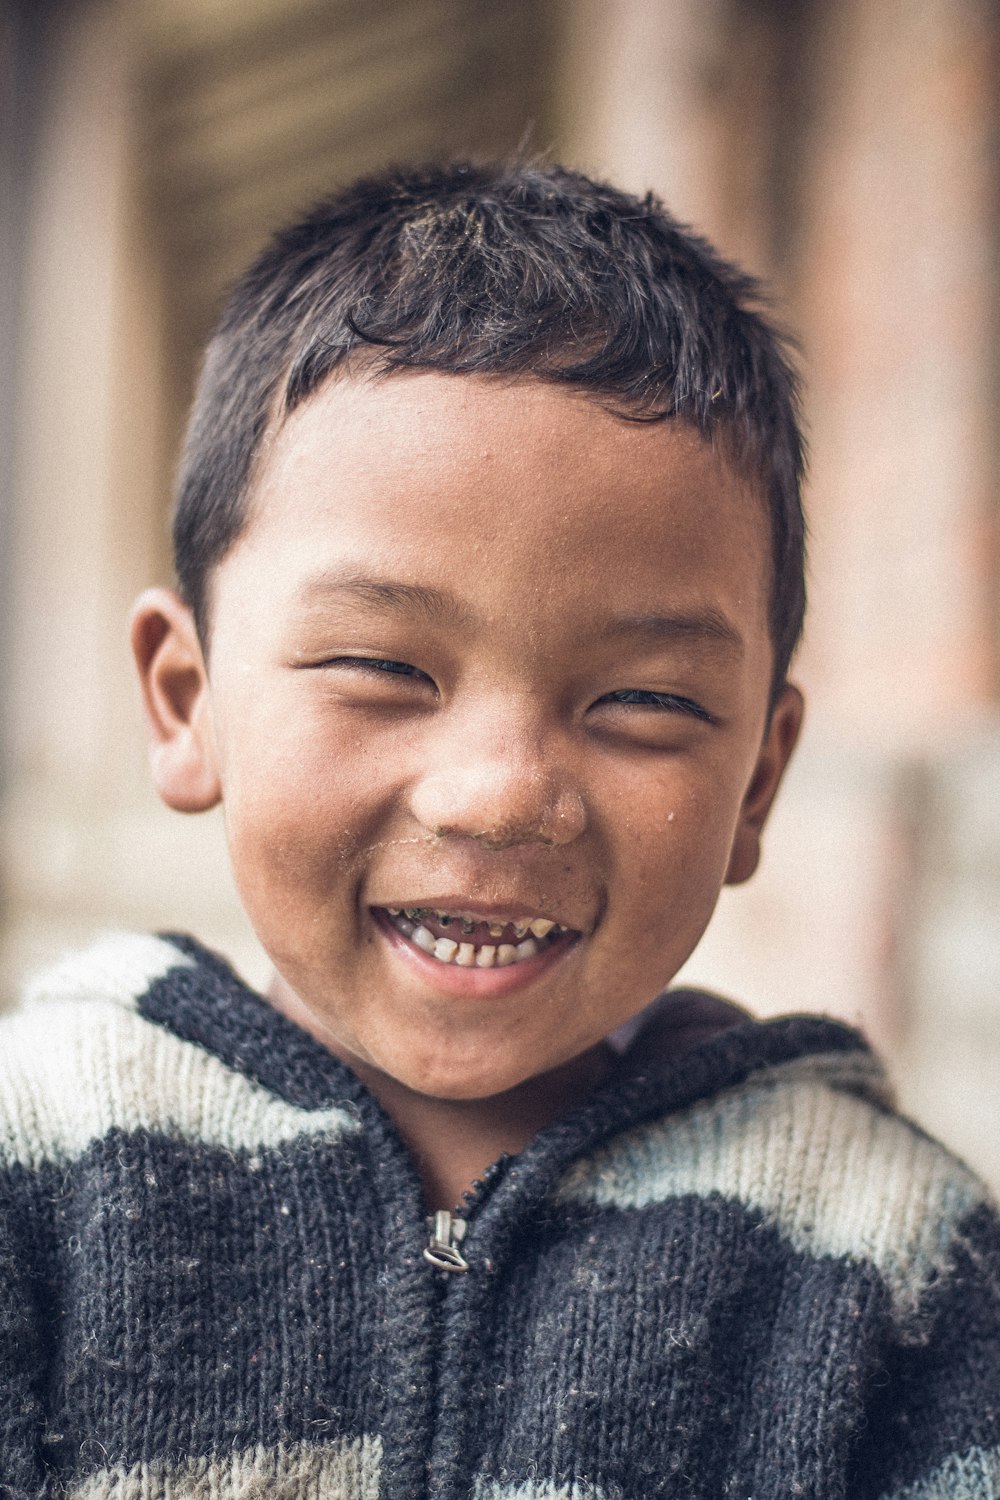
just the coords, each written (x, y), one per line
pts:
(490, 554)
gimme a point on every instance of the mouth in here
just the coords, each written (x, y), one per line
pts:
(466, 948)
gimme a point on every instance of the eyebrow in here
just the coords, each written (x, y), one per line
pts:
(702, 626)
(387, 594)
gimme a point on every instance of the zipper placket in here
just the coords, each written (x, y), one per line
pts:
(447, 1229)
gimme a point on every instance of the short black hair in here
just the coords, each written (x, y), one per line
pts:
(513, 269)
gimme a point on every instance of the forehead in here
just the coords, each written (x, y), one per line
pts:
(402, 427)
(503, 492)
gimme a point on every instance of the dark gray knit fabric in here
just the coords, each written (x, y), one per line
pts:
(739, 1276)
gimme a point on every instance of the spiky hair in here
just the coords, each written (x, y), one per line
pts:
(519, 270)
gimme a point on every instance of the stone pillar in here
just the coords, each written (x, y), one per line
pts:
(636, 93)
(83, 841)
(898, 308)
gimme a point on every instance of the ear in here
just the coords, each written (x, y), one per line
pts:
(775, 753)
(176, 701)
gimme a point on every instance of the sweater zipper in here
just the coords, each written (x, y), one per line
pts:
(446, 1234)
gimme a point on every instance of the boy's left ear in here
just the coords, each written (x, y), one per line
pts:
(779, 742)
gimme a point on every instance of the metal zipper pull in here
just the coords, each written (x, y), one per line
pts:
(447, 1234)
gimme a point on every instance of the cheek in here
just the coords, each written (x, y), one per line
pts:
(297, 819)
(294, 769)
(675, 837)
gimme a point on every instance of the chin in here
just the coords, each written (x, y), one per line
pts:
(459, 1083)
(461, 1089)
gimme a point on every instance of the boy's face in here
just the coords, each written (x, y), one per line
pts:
(486, 650)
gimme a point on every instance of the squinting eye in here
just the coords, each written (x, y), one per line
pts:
(666, 702)
(375, 666)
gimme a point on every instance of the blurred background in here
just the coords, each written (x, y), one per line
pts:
(843, 149)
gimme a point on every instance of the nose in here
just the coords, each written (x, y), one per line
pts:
(499, 781)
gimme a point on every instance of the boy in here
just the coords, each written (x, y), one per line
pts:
(490, 558)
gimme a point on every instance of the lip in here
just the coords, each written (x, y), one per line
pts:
(452, 979)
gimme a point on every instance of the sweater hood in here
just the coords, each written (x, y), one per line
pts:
(685, 1048)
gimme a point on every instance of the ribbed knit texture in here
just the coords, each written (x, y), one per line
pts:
(737, 1276)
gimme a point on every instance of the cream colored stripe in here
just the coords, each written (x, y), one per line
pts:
(491, 1489)
(118, 966)
(77, 1067)
(974, 1475)
(835, 1175)
(347, 1470)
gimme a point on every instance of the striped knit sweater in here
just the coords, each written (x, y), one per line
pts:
(737, 1275)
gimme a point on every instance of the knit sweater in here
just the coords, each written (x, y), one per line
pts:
(738, 1274)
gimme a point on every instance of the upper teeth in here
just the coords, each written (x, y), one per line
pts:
(410, 921)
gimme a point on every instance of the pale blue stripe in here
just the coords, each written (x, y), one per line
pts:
(974, 1475)
(835, 1175)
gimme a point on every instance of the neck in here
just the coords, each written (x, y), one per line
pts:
(454, 1141)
